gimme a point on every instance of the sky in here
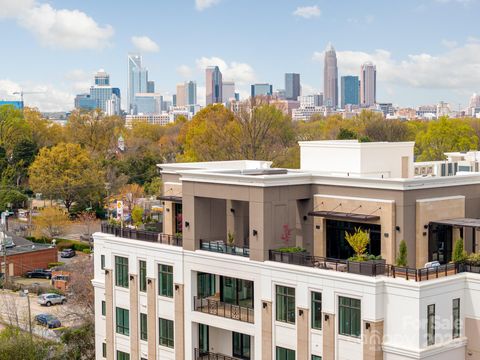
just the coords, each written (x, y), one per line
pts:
(425, 51)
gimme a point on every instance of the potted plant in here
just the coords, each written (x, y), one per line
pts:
(361, 262)
(473, 263)
(230, 242)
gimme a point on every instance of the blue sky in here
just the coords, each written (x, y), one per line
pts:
(425, 50)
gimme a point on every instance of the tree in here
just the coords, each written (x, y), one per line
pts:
(459, 254)
(18, 345)
(137, 216)
(43, 133)
(402, 254)
(51, 222)
(13, 128)
(346, 134)
(79, 342)
(445, 135)
(15, 198)
(130, 193)
(359, 241)
(154, 187)
(66, 172)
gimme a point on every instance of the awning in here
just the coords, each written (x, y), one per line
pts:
(460, 222)
(344, 216)
(175, 199)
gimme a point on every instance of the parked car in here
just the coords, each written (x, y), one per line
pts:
(51, 299)
(67, 253)
(48, 321)
(39, 273)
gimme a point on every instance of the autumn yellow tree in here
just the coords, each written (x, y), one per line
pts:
(51, 222)
(66, 172)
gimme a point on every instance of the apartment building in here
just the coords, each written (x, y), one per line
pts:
(217, 283)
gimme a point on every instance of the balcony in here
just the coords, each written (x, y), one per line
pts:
(213, 306)
(211, 356)
(143, 235)
(367, 268)
(219, 246)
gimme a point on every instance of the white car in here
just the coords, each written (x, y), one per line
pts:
(51, 299)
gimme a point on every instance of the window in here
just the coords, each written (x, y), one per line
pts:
(122, 356)
(431, 324)
(121, 271)
(104, 308)
(285, 304)
(166, 332)
(456, 318)
(165, 280)
(102, 262)
(206, 285)
(123, 318)
(284, 354)
(143, 327)
(104, 350)
(349, 316)
(241, 346)
(316, 357)
(143, 275)
(316, 310)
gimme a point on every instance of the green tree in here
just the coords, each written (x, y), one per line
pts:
(15, 198)
(358, 241)
(79, 342)
(402, 258)
(18, 345)
(66, 172)
(346, 134)
(13, 128)
(137, 215)
(459, 254)
(445, 135)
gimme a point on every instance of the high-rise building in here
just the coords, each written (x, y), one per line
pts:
(261, 90)
(102, 96)
(150, 86)
(137, 79)
(148, 103)
(181, 95)
(368, 84)
(350, 91)
(191, 89)
(174, 100)
(292, 86)
(102, 78)
(15, 103)
(311, 100)
(213, 85)
(330, 78)
(228, 91)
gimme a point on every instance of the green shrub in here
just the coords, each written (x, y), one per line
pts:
(291, 249)
(459, 255)
(474, 259)
(87, 251)
(55, 264)
(402, 254)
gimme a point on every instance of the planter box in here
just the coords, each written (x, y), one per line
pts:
(369, 267)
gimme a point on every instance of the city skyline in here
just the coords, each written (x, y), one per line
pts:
(66, 58)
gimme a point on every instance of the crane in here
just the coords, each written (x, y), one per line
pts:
(21, 93)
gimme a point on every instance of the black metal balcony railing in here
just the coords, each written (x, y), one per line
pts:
(216, 307)
(142, 235)
(206, 355)
(220, 246)
(368, 268)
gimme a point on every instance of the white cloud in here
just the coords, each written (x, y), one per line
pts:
(80, 80)
(308, 89)
(204, 4)
(57, 28)
(46, 97)
(456, 68)
(307, 12)
(369, 19)
(201, 95)
(144, 44)
(184, 71)
(241, 73)
(449, 43)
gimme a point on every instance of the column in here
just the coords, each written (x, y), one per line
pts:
(328, 336)
(372, 340)
(134, 317)
(303, 335)
(179, 335)
(109, 320)
(267, 318)
(152, 318)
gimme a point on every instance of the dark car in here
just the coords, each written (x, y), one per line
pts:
(39, 273)
(67, 253)
(48, 321)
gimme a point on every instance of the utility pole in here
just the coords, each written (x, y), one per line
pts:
(29, 314)
(4, 240)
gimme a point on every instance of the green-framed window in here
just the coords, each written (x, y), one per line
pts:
(123, 321)
(166, 337)
(122, 355)
(456, 326)
(284, 354)
(143, 327)
(121, 271)
(431, 324)
(285, 304)
(165, 280)
(241, 345)
(104, 308)
(104, 350)
(316, 357)
(316, 310)
(102, 262)
(206, 285)
(349, 316)
(142, 266)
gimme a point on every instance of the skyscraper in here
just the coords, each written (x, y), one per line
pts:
(150, 86)
(368, 84)
(102, 78)
(292, 86)
(102, 96)
(350, 90)
(261, 90)
(330, 78)
(191, 90)
(228, 91)
(213, 85)
(137, 80)
(181, 95)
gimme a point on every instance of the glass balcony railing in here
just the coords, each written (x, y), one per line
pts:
(220, 246)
